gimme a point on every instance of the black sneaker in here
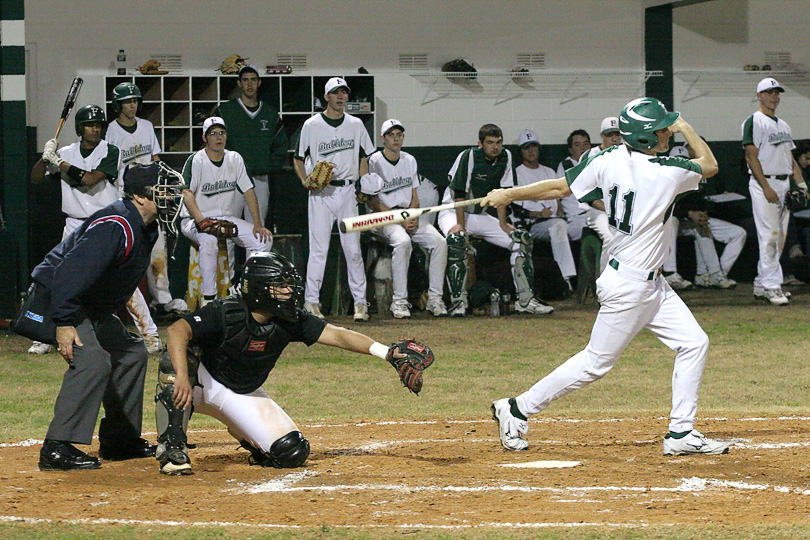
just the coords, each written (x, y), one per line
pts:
(139, 448)
(63, 456)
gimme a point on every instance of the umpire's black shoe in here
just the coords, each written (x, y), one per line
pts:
(139, 448)
(63, 456)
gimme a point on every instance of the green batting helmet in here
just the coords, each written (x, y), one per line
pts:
(123, 92)
(88, 114)
(641, 118)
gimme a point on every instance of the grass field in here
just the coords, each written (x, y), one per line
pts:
(757, 368)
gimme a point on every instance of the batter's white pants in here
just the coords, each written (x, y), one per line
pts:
(429, 238)
(772, 223)
(486, 227)
(324, 208)
(597, 220)
(629, 304)
(555, 231)
(253, 417)
(261, 187)
(136, 306)
(209, 248)
(705, 251)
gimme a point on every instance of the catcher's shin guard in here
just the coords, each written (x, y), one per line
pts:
(523, 270)
(287, 452)
(457, 267)
(172, 423)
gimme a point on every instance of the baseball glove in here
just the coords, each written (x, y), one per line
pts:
(418, 358)
(221, 228)
(232, 64)
(320, 176)
(152, 67)
(796, 200)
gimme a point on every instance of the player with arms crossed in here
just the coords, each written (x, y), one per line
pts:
(639, 190)
(392, 183)
(239, 339)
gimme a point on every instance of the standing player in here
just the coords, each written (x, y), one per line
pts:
(342, 139)
(256, 132)
(639, 190)
(136, 140)
(218, 188)
(476, 172)
(392, 184)
(768, 143)
(238, 340)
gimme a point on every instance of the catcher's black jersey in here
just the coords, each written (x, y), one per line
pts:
(238, 351)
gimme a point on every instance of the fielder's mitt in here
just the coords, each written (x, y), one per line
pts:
(232, 64)
(419, 358)
(152, 67)
(320, 176)
(221, 228)
(796, 200)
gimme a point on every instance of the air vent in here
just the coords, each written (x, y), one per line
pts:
(173, 63)
(413, 62)
(298, 61)
(531, 60)
(777, 58)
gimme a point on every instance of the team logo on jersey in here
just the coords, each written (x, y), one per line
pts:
(134, 152)
(264, 125)
(257, 346)
(220, 186)
(778, 138)
(398, 182)
(334, 146)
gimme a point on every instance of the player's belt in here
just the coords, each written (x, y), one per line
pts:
(778, 176)
(339, 182)
(633, 273)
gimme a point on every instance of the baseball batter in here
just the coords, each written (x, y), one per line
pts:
(392, 182)
(137, 143)
(768, 142)
(342, 139)
(239, 340)
(476, 172)
(219, 187)
(639, 190)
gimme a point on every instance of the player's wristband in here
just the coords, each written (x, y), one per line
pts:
(379, 350)
(76, 174)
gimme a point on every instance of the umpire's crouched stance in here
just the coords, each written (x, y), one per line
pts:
(238, 341)
(89, 276)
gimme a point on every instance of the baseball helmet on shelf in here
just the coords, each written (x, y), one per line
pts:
(641, 118)
(88, 114)
(271, 283)
(123, 92)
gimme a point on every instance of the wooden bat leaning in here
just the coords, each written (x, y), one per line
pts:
(381, 219)
(70, 101)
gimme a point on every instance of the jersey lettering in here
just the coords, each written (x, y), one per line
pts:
(624, 226)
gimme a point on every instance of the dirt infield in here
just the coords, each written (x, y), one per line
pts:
(445, 474)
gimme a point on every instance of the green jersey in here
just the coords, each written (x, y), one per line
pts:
(475, 175)
(257, 134)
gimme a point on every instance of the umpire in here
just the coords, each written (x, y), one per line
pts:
(89, 276)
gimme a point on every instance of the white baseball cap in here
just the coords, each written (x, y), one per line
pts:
(248, 68)
(390, 124)
(335, 83)
(609, 125)
(528, 137)
(371, 184)
(679, 151)
(768, 83)
(211, 122)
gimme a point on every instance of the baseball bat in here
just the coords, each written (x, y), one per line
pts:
(70, 101)
(389, 217)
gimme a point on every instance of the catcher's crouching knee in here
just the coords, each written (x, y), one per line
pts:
(287, 452)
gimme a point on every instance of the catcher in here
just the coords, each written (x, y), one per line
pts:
(236, 343)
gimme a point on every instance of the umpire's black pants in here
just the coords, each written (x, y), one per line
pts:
(109, 368)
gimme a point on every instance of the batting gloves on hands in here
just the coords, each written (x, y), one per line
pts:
(49, 153)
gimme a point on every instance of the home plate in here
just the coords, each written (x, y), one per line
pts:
(543, 464)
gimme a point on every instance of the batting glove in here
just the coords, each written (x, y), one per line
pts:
(49, 153)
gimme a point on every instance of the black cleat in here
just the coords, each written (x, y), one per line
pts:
(63, 456)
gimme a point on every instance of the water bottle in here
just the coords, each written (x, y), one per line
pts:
(494, 303)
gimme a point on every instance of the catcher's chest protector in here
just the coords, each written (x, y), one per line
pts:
(248, 351)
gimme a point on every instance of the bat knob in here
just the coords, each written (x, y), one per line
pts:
(342, 227)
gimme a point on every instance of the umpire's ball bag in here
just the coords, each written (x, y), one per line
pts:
(34, 320)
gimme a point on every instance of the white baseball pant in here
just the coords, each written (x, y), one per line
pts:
(324, 207)
(253, 417)
(705, 250)
(555, 231)
(209, 248)
(772, 223)
(629, 303)
(429, 238)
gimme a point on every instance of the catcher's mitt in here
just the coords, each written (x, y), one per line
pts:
(320, 176)
(152, 67)
(796, 200)
(418, 358)
(221, 228)
(232, 64)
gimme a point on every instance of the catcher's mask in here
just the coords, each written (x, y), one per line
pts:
(165, 187)
(271, 283)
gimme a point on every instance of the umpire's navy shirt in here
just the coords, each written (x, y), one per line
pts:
(95, 270)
